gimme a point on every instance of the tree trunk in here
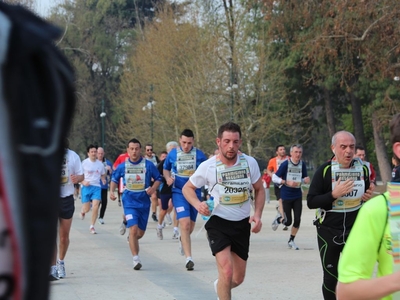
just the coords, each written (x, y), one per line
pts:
(357, 120)
(380, 149)
(330, 120)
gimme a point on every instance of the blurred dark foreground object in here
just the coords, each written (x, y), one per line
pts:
(37, 99)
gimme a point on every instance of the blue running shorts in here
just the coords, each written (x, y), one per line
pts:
(183, 208)
(137, 216)
(90, 193)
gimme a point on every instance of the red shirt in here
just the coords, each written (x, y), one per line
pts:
(120, 159)
(267, 179)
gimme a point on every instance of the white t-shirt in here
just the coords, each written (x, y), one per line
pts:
(72, 166)
(93, 171)
(206, 174)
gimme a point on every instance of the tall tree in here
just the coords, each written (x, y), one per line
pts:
(177, 61)
(198, 84)
(256, 86)
(346, 41)
(98, 36)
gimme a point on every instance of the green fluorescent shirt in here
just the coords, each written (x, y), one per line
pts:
(360, 253)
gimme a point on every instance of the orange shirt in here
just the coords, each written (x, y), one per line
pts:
(274, 163)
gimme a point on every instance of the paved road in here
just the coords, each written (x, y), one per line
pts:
(100, 266)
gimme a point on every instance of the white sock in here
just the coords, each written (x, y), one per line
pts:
(136, 257)
(159, 226)
(189, 258)
(175, 228)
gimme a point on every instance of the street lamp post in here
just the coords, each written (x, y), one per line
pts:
(102, 116)
(232, 86)
(149, 106)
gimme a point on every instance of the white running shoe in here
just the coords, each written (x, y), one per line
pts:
(101, 221)
(169, 219)
(122, 228)
(137, 264)
(292, 245)
(53, 274)
(175, 236)
(60, 269)
(159, 233)
(92, 230)
(275, 223)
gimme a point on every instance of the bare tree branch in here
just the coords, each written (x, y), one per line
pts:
(78, 49)
(65, 32)
(362, 38)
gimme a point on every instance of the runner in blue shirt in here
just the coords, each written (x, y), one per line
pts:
(290, 175)
(137, 174)
(179, 165)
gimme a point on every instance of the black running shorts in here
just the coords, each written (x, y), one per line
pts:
(277, 191)
(222, 233)
(67, 207)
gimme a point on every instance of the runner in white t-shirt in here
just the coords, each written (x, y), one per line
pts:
(71, 173)
(230, 176)
(91, 191)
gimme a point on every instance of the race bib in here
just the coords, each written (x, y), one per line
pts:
(135, 176)
(233, 182)
(186, 163)
(64, 169)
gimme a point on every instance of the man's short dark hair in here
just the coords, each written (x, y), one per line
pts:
(360, 148)
(149, 145)
(187, 133)
(164, 152)
(134, 141)
(277, 147)
(90, 147)
(395, 129)
(231, 127)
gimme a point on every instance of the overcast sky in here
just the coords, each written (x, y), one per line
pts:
(43, 6)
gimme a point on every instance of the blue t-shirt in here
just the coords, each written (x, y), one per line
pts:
(137, 199)
(290, 193)
(171, 165)
(105, 186)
